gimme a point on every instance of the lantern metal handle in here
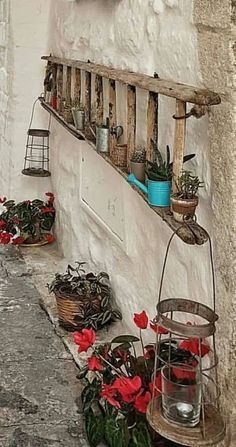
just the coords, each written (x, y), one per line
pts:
(165, 262)
(32, 115)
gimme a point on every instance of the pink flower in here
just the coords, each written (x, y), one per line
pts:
(141, 320)
(192, 345)
(94, 363)
(84, 339)
(3, 199)
(128, 387)
(108, 393)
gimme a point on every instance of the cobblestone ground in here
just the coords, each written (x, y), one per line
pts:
(39, 392)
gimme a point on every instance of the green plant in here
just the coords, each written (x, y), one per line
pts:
(93, 290)
(160, 169)
(188, 185)
(139, 156)
(27, 220)
(118, 379)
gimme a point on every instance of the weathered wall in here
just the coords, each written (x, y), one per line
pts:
(23, 39)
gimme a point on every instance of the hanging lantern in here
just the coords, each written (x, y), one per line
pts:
(184, 406)
(37, 150)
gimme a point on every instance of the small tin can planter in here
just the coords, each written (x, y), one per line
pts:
(119, 156)
(183, 209)
(79, 118)
(102, 139)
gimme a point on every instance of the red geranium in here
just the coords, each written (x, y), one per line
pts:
(3, 199)
(18, 240)
(192, 345)
(50, 238)
(5, 238)
(141, 401)
(94, 363)
(128, 387)
(2, 224)
(158, 329)
(108, 393)
(84, 339)
(156, 385)
(141, 320)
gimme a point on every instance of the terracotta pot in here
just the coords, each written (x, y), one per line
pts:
(138, 169)
(183, 209)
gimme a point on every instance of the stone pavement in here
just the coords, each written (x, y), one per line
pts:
(39, 392)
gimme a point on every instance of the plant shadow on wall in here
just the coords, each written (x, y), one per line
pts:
(28, 222)
(83, 299)
(119, 383)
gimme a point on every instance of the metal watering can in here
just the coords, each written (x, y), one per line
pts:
(158, 192)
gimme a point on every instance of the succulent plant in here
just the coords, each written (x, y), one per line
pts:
(139, 156)
(93, 291)
(188, 185)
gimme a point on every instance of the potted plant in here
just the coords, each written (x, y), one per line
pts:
(159, 174)
(78, 115)
(138, 163)
(119, 383)
(185, 200)
(28, 222)
(83, 299)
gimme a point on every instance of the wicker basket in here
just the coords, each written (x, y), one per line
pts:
(118, 155)
(71, 309)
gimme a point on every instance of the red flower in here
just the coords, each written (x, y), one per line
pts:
(51, 197)
(49, 194)
(18, 240)
(183, 373)
(3, 199)
(149, 352)
(122, 354)
(141, 320)
(50, 238)
(192, 345)
(94, 363)
(2, 224)
(141, 401)
(158, 329)
(5, 238)
(84, 339)
(156, 385)
(47, 210)
(108, 393)
(128, 387)
(16, 220)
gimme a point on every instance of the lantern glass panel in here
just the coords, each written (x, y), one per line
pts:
(181, 394)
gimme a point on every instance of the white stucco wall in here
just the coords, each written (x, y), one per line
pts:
(146, 37)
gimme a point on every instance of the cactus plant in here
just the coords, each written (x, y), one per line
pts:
(139, 156)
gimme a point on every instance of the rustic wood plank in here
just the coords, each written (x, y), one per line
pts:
(77, 86)
(68, 85)
(131, 121)
(99, 99)
(183, 92)
(152, 124)
(59, 86)
(179, 142)
(112, 114)
(189, 233)
(87, 96)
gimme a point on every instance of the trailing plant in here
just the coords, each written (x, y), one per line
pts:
(139, 156)
(94, 292)
(160, 169)
(187, 185)
(119, 383)
(27, 220)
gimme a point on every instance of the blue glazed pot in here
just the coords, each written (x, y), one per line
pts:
(158, 193)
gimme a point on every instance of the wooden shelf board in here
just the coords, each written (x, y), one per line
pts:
(190, 233)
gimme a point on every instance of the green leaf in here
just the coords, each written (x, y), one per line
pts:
(125, 339)
(94, 428)
(116, 432)
(141, 436)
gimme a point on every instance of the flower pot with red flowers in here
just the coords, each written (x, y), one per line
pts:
(83, 299)
(28, 222)
(115, 398)
(185, 200)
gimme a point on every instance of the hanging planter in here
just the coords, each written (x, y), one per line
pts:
(28, 222)
(83, 299)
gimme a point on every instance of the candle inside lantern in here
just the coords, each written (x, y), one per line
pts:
(184, 410)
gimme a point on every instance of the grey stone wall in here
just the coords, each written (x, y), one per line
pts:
(216, 21)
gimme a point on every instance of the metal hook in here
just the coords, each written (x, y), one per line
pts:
(197, 111)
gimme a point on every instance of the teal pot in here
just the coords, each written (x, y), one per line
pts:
(158, 193)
